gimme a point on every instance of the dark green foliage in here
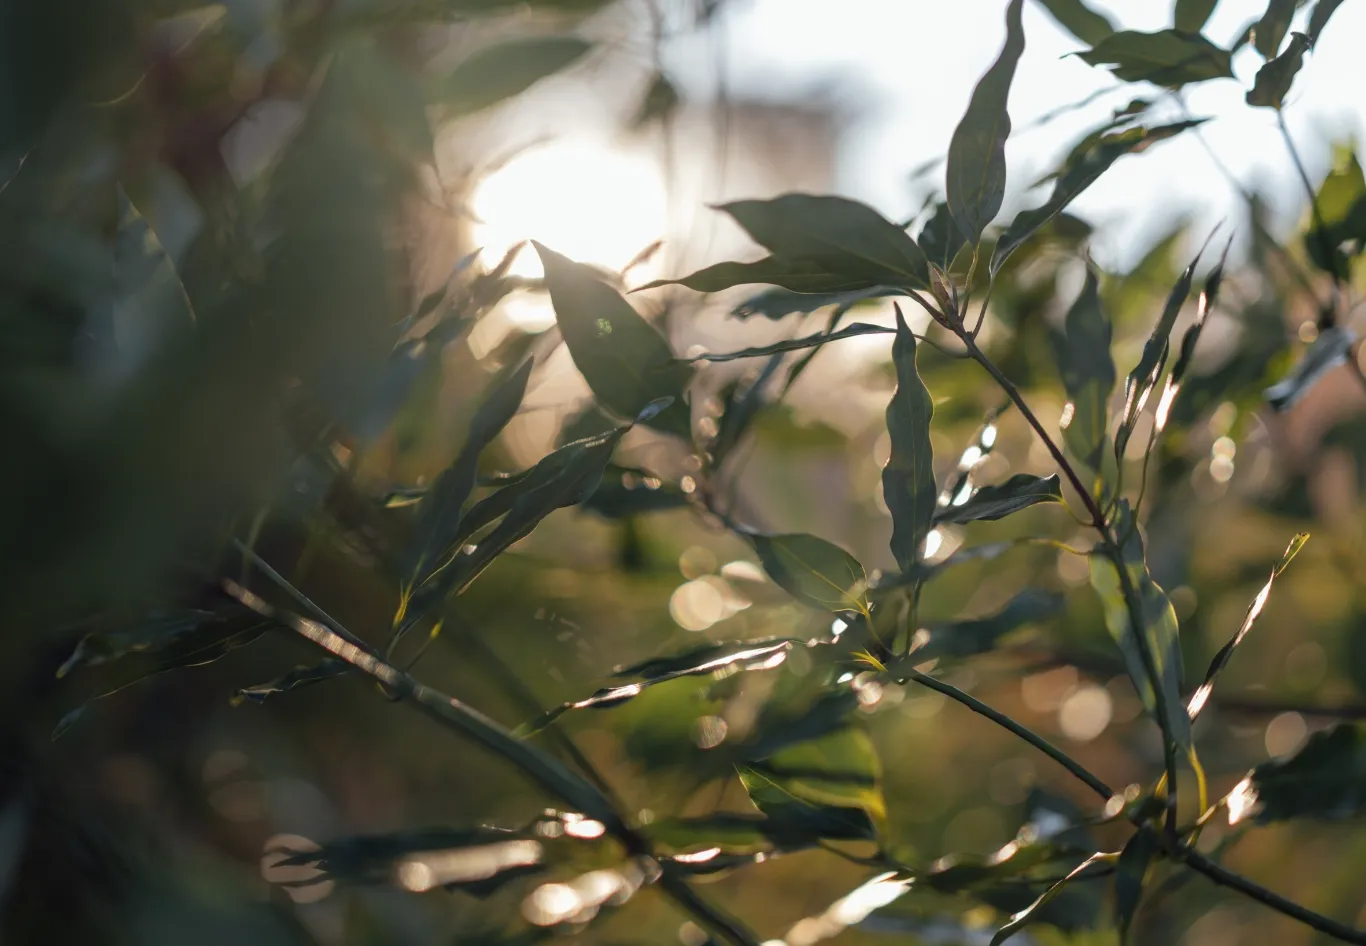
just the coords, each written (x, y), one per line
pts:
(1082, 350)
(1324, 780)
(498, 72)
(1130, 871)
(996, 502)
(1270, 30)
(1190, 16)
(1168, 58)
(812, 570)
(1083, 22)
(1274, 78)
(908, 483)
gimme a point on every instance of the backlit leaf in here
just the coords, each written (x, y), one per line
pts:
(812, 570)
(1208, 297)
(1190, 15)
(1026, 916)
(1330, 349)
(796, 344)
(1274, 78)
(796, 276)
(1168, 58)
(1341, 204)
(1080, 20)
(779, 303)
(908, 484)
(1155, 620)
(295, 679)
(996, 502)
(968, 638)
(833, 234)
(976, 170)
(1088, 373)
(1130, 870)
(502, 70)
(1270, 30)
(1324, 780)
(624, 359)
(840, 769)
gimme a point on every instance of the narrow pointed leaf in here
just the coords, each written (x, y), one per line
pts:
(1088, 373)
(840, 769)
(1168, 58)
(1318, 19)
(1270, 30)
(1081, 173)
(1190, 16)
(503, 70)
(1324, 780)
(814, 571)
(1208, 297)
(771, 270)
(796, 344)
(1130, 870)
(1156, 621)
(1275, 77)
(996, 502)
(908, 484)
(976, 169)
(836, 235)
(1330, 349)
(1023, 918)
(623, 358)
(780, 303)
(296, 679)
(968, 638)
(1080, 20)
(1201, 695)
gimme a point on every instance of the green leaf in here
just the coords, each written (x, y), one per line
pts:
(1341, 203)
(502, 70)
(1270, 30)
(796, 276)
(1080, 20)
(1208, 297)
(1190, 16)
(939, 238)
(813, 571)
(1325, 780)
(908, 484)
(439, 516)
(1082, 351)
(796, 344)
(840, 769)
(1130, 870)
(1081, 173)
(1023, 918)
(1274, 78)
(780, 303)
(960, 639)
(1330, 349)
(1168, 58)
(976, 171)
(782, 828)
(1318, 19)
(996, 502)
(1201, 695)
(1143, 378)
(1156, 618)
(296, 679)
(835, 235)
(624, 359)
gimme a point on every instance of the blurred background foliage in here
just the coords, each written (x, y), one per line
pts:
(242, 298)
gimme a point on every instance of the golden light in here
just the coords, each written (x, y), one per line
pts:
(594, 203)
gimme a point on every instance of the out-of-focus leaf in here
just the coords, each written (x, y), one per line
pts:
(1325, 780)
(660, 101)
(390, 95)
(1157, 621)
(960, 488)
(836, 235)
(1168, 58)
(1190, 16)
(939, 237)
(1088, 373)
(503, 70)
(1330, 349)
(1143, 378)
(771, 270)
(624, 359)
(813, 571)
(840, 769)
(908, 484)
(796, 344)
(1254, 610)
(996, 502)
(1130, 870)
(976, 170)
(149, 307)
(295, 679)
(1318, 19)
(1270, 30)
(1208, 297)
(624, 492)
(1026, 916)
(1074, 179)
(784, 828)
(779, 303)
(960, 639)
(1080, 20)
(1274, 78)
(439, 516)
(1340, 228)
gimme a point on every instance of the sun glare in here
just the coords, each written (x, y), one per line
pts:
(594, 203)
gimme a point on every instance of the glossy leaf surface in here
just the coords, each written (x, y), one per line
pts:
(996, 502)
(812, 570)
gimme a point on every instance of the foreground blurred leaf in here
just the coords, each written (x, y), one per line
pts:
(976, 167)
(1330, 349)
(503, 70)
(1324, 780)
(1157, 621)
(659, 102)
(813, 571)
(623, 493)
(1340, 228)
(835, 235)
(1254, 610)
(1081, 172)
(840, 770)
(623, 358)
(1274, 78)
(1270, 30)
(1088, 373)
(996, 502)
(908, 484)
(1168, 58)
(771, 270)
(1190, 15)
(1080, 20)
